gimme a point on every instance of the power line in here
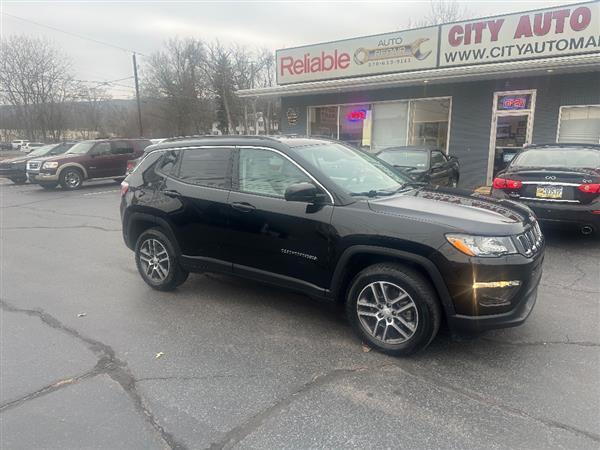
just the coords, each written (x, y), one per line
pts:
(73, 34)
(107, 83)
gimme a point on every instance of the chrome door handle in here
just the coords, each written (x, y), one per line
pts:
(243, 206)
(172, 194)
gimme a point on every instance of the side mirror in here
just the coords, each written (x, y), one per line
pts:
(302, 192)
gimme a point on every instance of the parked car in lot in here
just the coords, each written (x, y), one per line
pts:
(333, 222)
(86, 160)
(423, 164)
(15, 169)
(559, 182)
(29, 146)
(18, 143)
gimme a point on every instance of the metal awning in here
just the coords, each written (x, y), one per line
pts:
(578, 63)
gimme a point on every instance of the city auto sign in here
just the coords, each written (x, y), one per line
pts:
(560, 31)
(371, 55)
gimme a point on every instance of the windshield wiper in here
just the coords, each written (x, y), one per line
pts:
(378, 192)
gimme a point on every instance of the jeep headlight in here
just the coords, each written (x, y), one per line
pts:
(485, 246)
(50, 165)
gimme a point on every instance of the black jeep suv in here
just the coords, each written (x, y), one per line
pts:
(333, 222)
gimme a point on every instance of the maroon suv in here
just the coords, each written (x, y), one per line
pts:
(106, 158)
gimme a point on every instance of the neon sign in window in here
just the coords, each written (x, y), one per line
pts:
(513, 102)
(356, 115)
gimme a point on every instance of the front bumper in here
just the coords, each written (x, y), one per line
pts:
(41, 177)
(478, 309)
(477, 324)
(11, 173)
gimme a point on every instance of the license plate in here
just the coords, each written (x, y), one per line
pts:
(549, 192)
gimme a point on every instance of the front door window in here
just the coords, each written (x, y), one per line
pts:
(264, 172)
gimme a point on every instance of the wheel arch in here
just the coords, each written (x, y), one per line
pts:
(70, 165)
(139, 222)
(356, 258)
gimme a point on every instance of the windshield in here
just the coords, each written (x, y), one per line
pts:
(42, 150)
(405, 158)
(354, 171)
(81, 148)
(568, 158)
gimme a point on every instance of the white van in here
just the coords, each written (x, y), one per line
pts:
(17, 144)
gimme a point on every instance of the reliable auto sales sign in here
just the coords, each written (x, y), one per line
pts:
(384, 53)
(560, 31)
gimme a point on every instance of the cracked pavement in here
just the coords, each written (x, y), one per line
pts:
(249, 366)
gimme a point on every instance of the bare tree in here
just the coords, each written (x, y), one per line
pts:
(95, 110)
(174, 75)
(441, 11)
(35, 77)
(188, 85)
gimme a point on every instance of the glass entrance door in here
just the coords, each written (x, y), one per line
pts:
(511, 135)
(512, 124)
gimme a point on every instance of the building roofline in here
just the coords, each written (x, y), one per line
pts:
(565, 64)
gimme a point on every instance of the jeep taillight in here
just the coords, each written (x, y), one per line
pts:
(124, 188)
(505, 183)
(591, 188)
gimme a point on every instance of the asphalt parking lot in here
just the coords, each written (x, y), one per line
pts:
(90, 357)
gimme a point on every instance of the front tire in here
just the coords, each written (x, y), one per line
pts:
(393, 308)
(71, 179)
(156, 261)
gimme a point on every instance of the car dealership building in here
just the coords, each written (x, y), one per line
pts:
(478, 89)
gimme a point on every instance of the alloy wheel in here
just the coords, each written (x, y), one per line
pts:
(154, 259)
(387, 312)
(72, 179)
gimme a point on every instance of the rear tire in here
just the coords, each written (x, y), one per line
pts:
(393, 308)
(19, 180)
(453, 182)
(71, 178)
(156, 261)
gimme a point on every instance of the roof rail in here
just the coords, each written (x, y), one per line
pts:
(562, 144)
(220, 136)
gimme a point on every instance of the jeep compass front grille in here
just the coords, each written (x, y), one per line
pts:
(530, 241)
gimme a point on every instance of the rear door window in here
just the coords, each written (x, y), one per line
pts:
(207, 167)
(122, 148)
(101, 149)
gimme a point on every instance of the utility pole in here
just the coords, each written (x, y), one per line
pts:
(137, 95)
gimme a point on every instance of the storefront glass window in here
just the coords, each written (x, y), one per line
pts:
(429, 123)
(580, 124)
(390, 125)
(355, 125)
(323, 121)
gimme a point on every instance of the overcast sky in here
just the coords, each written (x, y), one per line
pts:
(144, 26)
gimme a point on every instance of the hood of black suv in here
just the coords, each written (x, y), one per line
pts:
(460, 209)
(18, 159)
